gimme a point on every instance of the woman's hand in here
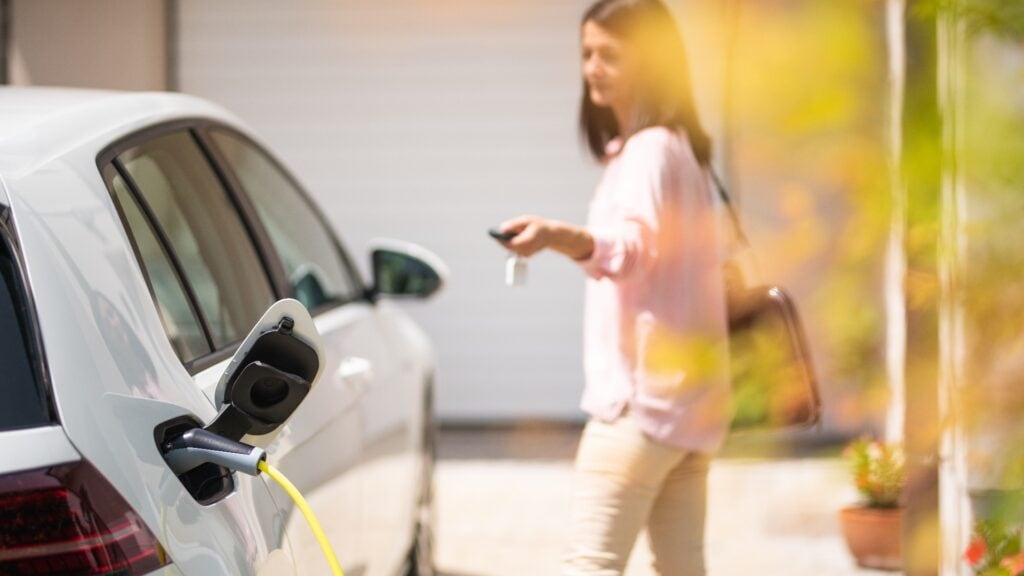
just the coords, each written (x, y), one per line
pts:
(534, 234)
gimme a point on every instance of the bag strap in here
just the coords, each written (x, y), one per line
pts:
(733, 216)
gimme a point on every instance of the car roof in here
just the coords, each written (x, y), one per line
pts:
(40, 124)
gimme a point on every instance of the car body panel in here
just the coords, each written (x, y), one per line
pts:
(111, 363)
(4, 199)
(354, 446)
(33, 448)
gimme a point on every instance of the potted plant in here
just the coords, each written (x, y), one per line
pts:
(873, 528)
(995, 550)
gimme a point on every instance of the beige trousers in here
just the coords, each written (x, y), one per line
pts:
(624, 482)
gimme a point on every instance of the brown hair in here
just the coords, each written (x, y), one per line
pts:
(666, 95)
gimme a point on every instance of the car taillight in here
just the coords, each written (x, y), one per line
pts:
(68, 519)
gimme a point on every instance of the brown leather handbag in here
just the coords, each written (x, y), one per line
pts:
(774, 387)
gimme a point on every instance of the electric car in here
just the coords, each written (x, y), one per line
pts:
(143, 238)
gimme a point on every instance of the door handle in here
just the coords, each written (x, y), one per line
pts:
(355, 370)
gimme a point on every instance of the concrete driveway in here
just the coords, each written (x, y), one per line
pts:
(503, 505)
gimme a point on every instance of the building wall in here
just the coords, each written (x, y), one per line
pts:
(115, 44)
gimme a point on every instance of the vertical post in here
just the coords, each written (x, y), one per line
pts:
(895, 255)
(171, 45)
(953, 463)
(922, 176)
(5, 40)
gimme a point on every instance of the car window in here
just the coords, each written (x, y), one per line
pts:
(23, 401)
(204, 230)
(312, 259)
(179, 318)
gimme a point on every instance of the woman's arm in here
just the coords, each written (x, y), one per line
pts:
(628, 245)
(618, 254)
(535, 234)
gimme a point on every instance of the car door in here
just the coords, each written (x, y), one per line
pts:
(317, 450)
(209, 288)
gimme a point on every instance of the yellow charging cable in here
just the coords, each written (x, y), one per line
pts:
(307, 512)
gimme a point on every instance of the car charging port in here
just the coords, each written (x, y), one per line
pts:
(208, 482)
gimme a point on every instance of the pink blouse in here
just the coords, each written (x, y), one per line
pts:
(654, 317)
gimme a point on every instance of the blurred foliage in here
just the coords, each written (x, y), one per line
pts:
(810, 109)
(1003, 18)
(990, 287)
(983, 114)
(754, 403)
(995, 550)
(809, 153)
(770, 386)
(877, 470)
(991, 160)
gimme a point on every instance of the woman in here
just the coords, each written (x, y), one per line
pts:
(655, 324)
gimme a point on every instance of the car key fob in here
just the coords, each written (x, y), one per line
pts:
(503, 236)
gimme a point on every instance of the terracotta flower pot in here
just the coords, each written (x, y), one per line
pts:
(873, 536)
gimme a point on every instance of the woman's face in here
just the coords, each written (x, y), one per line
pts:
(607, 67)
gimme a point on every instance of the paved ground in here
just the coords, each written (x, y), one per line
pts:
(503, 497)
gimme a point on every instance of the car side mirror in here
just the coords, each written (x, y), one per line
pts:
(273, 369)
(403, 269)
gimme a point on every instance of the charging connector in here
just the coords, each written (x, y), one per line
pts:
(197, 447)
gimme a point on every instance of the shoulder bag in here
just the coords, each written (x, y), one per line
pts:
(774, 387)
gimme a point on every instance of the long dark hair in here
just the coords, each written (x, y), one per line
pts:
(666, 98)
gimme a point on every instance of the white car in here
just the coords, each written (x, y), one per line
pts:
(143, 236)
